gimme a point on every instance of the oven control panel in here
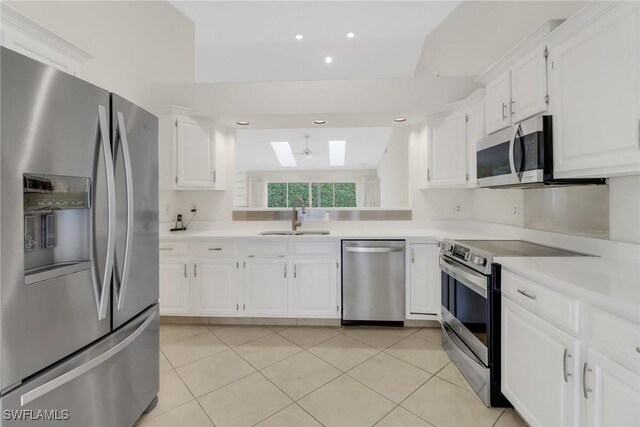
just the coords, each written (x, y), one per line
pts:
(472, 257)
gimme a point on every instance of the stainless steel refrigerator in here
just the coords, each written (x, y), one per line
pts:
(79, 251)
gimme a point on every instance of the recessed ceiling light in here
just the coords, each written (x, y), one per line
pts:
(328, 60)
(242, 122)
(284, 153)
(299, 36)
(319, 122)
(337, 150)
(350, 35)
(400, 119)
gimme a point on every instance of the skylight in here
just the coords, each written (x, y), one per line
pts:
(283, 152)
(337, 151)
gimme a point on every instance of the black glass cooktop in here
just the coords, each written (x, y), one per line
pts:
(507, 248)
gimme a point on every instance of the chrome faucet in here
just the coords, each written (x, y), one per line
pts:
(296, 220)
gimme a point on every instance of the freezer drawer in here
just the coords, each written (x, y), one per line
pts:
(110, 383)
(373, 281)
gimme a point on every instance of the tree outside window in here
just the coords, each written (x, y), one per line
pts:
(314, 194)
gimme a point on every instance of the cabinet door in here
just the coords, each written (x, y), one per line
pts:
(529, 85)
(613, 392)
(540, 368)
(174, 286)
(265, 287)
(475, 131)
(424, 288)
(214, 285)
(315, 290)
(448, 153)
(596, 97)
(196, 154)
(498, 100)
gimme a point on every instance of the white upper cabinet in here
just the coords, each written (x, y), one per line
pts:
(195, 154)
(529, 94)
(498, 102)
(475, 129)
(191, 152)
(595, 91)
(450, 147)
(447, 157)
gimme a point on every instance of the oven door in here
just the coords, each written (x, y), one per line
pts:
(465, 307)
(496, 158)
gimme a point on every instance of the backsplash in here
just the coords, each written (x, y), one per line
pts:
(582, 211)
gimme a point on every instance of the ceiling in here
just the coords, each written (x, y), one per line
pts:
(364, 147)
(238, 41)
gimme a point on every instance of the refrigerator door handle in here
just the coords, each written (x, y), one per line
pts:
(122, 134)
(85, 367)
(103, 131)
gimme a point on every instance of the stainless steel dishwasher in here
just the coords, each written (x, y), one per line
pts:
(373, 282)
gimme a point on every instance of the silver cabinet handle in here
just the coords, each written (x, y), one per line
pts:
(195, 270)
(215, 249)
(526, 294)
(564, 365)
(372, 249)
(122, 134)
(103, 130)
(504, 109)
(166, 249)
(285, 271)
(513, 107)
(84, 368)
(413, 253)
(295, 271)
(185, 270)
(585, 390)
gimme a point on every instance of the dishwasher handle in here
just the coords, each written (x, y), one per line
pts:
(374, 249)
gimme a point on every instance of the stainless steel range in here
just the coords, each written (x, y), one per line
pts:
(470, 285)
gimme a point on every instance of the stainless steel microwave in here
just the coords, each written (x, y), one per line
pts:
(521, 156)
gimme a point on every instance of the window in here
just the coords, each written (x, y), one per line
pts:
(321, 194)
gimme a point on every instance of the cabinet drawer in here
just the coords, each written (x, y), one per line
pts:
(618, 337)
(214, 249)
(315, 248)
(174, 249)
(264, 249)
(548, 304)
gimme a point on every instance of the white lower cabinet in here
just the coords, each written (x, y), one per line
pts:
(315, 287)
(424, 279)
(264, 287)
(539, 365)
(214, 287)
(611, 392)
(174, 286)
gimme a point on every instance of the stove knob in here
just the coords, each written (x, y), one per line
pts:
(480, 260)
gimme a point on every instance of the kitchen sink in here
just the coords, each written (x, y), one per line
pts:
(296, 233)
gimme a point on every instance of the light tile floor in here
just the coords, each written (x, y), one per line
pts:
(313, 376)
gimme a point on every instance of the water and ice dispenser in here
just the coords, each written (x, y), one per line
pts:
(57, 226)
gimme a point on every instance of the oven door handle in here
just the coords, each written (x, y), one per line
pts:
(474, 281)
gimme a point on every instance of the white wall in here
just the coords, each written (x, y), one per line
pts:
(135, 43)
(624, 209)
(393, 172)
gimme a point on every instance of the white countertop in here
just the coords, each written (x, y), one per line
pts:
(376, 233)
(603, 281)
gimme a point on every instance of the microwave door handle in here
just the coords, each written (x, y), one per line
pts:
(512, 161)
